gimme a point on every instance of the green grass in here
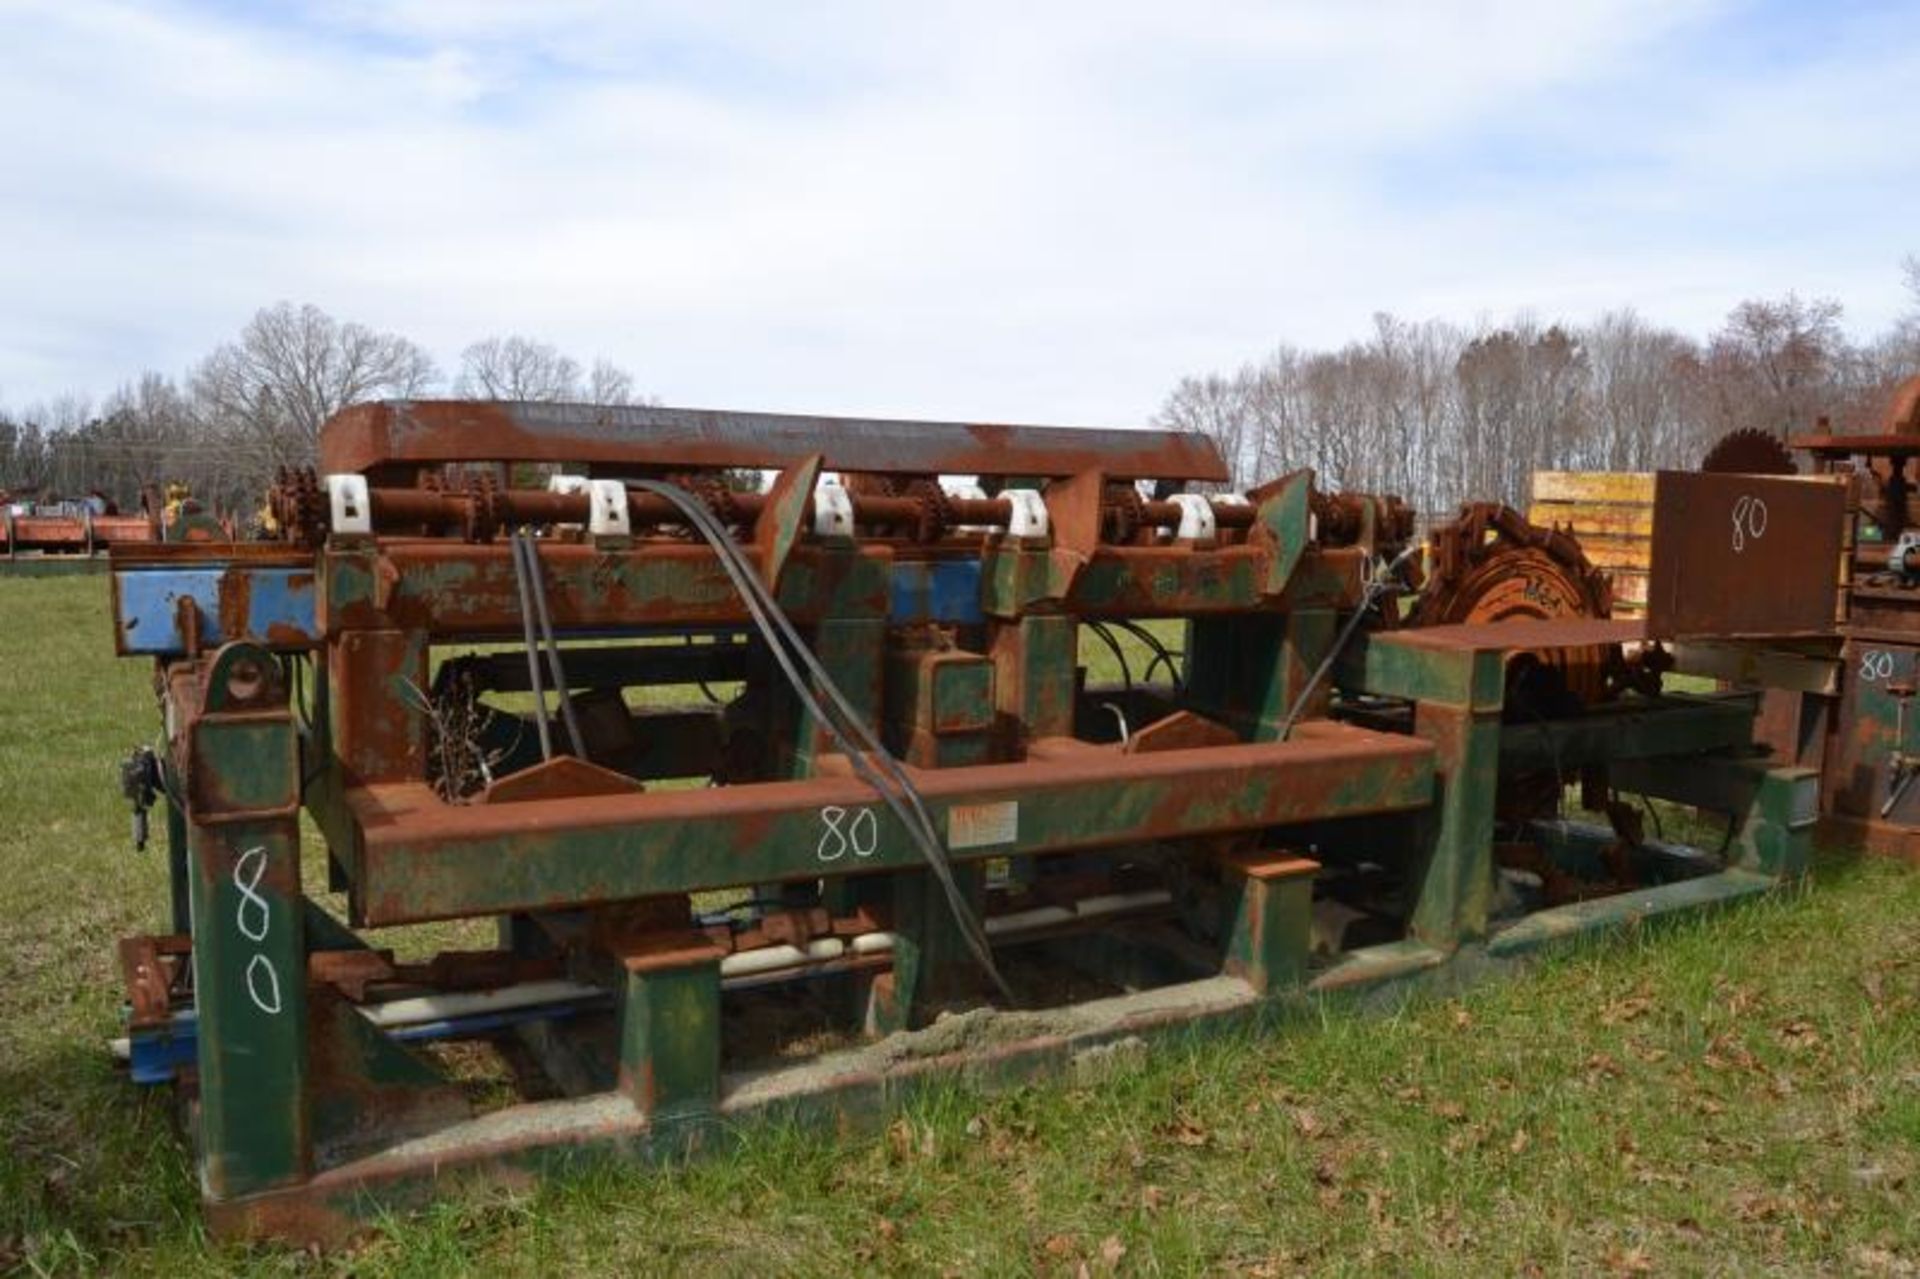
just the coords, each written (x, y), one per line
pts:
(1738, 1094)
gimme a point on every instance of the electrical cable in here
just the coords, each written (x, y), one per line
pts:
(552, 645)
(533, 653)
(705, 692)
(1160, 651)
(837, 716)
(1106, 636)
(918, 821)
(906, 804)
(1376, 587)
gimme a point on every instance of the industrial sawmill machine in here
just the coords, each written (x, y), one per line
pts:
(744, 765)
(1843, 703)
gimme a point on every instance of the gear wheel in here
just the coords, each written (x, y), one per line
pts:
(1126, 513)
(1748, 452)
(936, 509)
(483, 507)
(717, 496)
(299, 506)
(1492, 565)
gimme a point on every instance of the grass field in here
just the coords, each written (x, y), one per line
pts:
(1739, 1094)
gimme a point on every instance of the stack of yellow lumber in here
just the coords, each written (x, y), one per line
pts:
(1611, 515)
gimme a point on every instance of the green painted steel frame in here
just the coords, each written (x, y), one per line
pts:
(418, 859)
(1267, 612)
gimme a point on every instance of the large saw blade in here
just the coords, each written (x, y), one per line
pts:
(1748, 452)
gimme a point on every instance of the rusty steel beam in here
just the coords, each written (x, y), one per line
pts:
(421, 859)
(399, 435)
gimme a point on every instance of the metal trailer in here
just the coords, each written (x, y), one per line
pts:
(906, 796)
(59, 538)
(68, 537)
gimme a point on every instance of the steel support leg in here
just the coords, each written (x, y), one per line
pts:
(249, 952)
(670, 1027)
(931, 961)
(178, 880)
(852, 651)
(1455, 884)
(1271, 933)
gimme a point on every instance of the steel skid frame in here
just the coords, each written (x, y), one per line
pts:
(1169, 838)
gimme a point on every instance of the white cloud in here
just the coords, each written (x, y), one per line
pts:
(1039, 212)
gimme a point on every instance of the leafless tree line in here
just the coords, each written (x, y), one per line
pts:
(1440, 413)
(257, 402)
(1433, 411)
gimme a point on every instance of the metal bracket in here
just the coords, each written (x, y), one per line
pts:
(776, 530)
(352, 507)
(1282, 527)
(966, 491)
(832, 510)
(606, 508)
(1196, 518)
(1029, 513)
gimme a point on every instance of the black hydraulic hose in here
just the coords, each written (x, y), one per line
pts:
(848, 723)
(1106, 637)
(532, 556)
(776, 627)
(533, 649)
(841, 721)
(1375, 589)
(1160, 651)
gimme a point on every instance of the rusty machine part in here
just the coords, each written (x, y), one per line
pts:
(67, 536)
(1749, 451)
(1350, 519)
(1858, 726)
(1899, 421)
(922, 511)
(1491, 565)
(856, 715)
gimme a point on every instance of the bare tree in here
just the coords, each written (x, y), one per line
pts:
(521, 368)
(292, 369)
(1773, 363)
(1899, 350)
(608, 383)
(1638, 409)
(1216, 407)
(1522, 401)
(517, 368)
(146, 436)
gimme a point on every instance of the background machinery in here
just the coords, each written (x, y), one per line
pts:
(1857, 725)
(73, 535)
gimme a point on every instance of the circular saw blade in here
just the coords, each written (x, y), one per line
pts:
(1748, 452)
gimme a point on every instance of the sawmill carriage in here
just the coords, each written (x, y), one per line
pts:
(742, 773)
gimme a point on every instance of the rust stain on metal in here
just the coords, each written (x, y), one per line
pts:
(393, 438)
(1743, 555)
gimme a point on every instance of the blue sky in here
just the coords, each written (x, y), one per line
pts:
(1043, 212)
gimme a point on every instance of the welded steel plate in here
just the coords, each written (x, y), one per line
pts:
(1743, 555)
